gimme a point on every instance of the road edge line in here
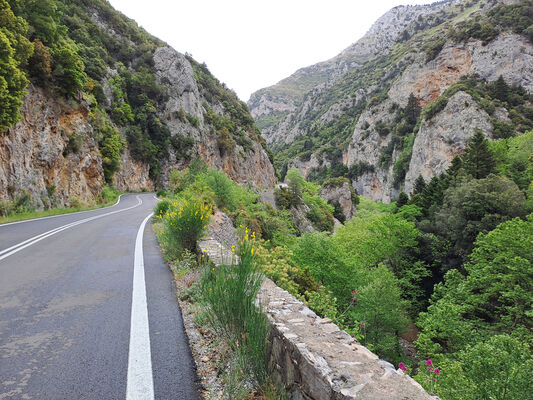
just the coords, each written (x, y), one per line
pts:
(140, 383)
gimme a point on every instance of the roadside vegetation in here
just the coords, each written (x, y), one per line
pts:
(23, 206)
(449, 265)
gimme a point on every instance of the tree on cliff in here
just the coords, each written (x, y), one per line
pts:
(15, 49)
(478, 160)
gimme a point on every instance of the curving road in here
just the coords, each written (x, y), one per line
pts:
(88, 309)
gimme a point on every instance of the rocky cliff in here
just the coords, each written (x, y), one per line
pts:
(407, 97)
(110, 104)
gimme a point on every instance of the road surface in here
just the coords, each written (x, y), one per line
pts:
(88, 309)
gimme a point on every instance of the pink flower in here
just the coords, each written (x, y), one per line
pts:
(429, 363)
(402, 366)
(362, 326)
(434, 380)
(430, 368)
(437, 371)
(320, 283)
(354, 291)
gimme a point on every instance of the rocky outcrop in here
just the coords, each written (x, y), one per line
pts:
(340, 192)
(284, 98)
(447, 133)
(439, 140)
(245, 166)
(51, 153)
(133, 176)
(354, 115)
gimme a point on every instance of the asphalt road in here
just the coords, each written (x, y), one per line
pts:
(73, 325)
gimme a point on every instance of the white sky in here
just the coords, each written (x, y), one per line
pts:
(251, 44)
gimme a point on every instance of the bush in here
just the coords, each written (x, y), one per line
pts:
(285, 199)
(161, 208)
(183, 224)
(161, 193)
(230, 293)
(109, 195)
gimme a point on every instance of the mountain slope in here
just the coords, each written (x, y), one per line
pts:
(108, 103)
(413, 106)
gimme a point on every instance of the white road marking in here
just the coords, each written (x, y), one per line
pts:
(60, 215)
(140, 384)
(26, 243)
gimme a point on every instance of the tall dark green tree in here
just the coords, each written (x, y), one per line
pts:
(403, 199)
(500, 89)
(412, 110)
(419, 185)
(479, 161)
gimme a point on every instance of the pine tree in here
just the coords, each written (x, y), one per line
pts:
(403, 199)
(479, 160)
(412, 110)
(501, 89)
(419, 185)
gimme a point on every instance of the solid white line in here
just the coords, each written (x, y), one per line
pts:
(140, 384)
(22, 245)
(60, 215)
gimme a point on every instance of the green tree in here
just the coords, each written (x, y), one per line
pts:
(478, 160)
(500, 89)
(477, 205)
(419, 185)
(111, 146)
(403, 199)
(40, 64)
(514, 158)
(15, 49)
(493, 298)
(296, 182)
(380, 306)
(68, 72)
(44, 21)
(412, 110)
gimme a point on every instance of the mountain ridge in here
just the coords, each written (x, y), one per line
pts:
(119, 106)
(353, 125)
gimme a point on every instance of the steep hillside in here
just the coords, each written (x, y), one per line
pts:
(407, 97)
(89, 98)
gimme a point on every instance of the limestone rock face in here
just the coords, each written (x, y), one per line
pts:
(36, 158)
(341, 105)
(53, 153)
(284, 100)
(245, 166)
(444, 137)
(133, 175)
(341, 193)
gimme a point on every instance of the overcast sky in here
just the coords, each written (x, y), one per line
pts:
(251, 44)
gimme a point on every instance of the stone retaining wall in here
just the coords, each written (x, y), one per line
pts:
(313, 359)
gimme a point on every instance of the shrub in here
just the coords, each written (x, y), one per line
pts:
(161, 193)
(434, 49)
(109, 194)
(161, 208)
(183, 224)
(230, 293)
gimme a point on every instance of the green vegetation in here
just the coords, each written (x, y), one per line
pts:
(301, 193)
(229, 293)
(15, 49)
(67, 49)
(516, 17)
(22, 207)
(454, 258)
